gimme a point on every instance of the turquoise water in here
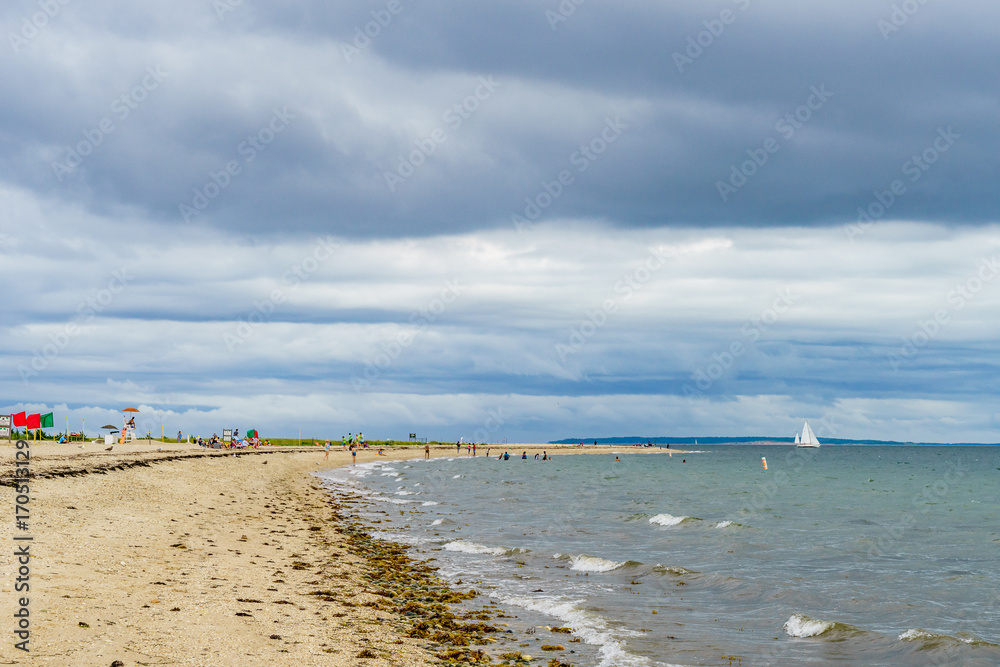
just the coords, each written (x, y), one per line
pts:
(845, 554)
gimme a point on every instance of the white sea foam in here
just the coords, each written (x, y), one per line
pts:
(403, 537)
(456, 477)
(437, 522)
(428, 503)
(916, 634)
(670, 520)
(726, 524)
(390, 474)
(585, 563)
(405, 493)
(800, 625)
(473, 548)
(590, 628)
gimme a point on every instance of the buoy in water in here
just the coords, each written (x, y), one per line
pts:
(764, 461)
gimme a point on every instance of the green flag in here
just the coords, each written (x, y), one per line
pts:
(45, 421)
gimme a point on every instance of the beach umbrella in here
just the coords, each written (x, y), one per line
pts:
(110, 426)
(130, 410)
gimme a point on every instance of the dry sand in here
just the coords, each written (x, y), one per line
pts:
(190, 557)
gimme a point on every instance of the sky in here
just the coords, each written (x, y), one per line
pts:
(517, 221)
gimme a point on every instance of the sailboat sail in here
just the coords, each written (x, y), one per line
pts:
(797, 441)
(808, 438)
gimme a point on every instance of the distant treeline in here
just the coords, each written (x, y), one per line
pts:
(746, 440)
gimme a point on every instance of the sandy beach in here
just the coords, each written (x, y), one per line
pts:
(192, 557)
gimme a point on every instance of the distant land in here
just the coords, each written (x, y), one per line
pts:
(752, 440)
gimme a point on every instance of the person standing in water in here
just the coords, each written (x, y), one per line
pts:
(427, 451)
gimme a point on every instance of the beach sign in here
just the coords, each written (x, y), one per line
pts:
(227, 435)
(5, 426)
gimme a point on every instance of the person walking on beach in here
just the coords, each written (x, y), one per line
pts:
(354, 455)
(473, 449)
(458, 447)
(327, 450)
(427, 451)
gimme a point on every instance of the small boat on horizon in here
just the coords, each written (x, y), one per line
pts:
(807, 438)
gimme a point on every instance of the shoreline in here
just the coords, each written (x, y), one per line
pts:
(194, 557)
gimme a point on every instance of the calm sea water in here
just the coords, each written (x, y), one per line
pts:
(845, 554)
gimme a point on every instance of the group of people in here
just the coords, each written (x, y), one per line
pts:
(351, 443)
(246, 443)
(524, 456)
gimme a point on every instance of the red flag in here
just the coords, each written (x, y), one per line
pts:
(19, 419)
(33, 420)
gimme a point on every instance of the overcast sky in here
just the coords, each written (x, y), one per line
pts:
(514, 220)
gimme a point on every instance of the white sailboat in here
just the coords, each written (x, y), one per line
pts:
(808, 438)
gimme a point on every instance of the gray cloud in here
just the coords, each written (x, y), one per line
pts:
(354, 120)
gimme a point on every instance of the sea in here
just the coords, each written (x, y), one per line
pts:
(854, 555)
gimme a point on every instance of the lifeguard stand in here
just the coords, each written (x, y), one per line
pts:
(128, 426)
